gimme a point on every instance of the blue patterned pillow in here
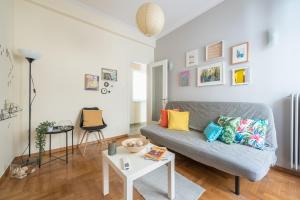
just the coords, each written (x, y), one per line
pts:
(212, 131)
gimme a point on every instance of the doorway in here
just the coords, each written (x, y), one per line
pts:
(138, 112)
(158, 89)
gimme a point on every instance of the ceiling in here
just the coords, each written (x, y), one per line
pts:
(177, 12)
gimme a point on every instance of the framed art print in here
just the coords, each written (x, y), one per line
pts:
(192, 58)
(184, 78)
(109, 74)
(241, 76)
(214, 50)
(91, 82)
(240, 53)
(211, 75)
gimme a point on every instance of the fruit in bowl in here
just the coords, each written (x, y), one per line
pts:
(134, 145)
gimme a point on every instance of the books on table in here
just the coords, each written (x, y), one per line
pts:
(156, 153)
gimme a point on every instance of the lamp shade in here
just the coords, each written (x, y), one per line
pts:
(27, 53)
(150, 19)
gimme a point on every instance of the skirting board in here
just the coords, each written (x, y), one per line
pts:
(2, 178)
(6, 173)
(288, 171)
(77, 145)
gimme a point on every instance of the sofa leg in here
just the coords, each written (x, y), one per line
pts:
(237, 185)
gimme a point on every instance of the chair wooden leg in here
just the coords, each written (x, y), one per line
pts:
(99, 137)
(86, 142)
(102, 135)
(103, 142)
(82, 137)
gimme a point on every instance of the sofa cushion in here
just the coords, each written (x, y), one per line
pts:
(229, 125)
(212, 131)
(236, 159)
(252, 132)
(178, 120)
(164, 118)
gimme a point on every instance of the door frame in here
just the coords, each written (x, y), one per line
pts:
(164, 64)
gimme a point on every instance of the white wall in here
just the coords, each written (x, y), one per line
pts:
(70, 48)
(11, 142)
(275, 70)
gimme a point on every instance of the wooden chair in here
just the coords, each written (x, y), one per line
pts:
(91, 129)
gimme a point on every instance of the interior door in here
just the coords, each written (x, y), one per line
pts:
(157, 89)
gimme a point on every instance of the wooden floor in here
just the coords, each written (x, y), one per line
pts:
(81, 179)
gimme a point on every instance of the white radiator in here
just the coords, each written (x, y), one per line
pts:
(294, 131)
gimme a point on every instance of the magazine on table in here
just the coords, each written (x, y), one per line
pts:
(157, 153)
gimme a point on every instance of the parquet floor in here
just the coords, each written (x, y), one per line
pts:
(81, 180)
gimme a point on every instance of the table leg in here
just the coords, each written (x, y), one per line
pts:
(171, 179)
(72, 142)
(67, 147)
(128, 189)
(105, 178)
(50, 146)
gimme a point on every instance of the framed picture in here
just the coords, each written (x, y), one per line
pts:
(192, 58)
(240, 53)
(241, 76)
(211, 75)
(214, 50)
(184, 78)
(109, 74)
(91, 82)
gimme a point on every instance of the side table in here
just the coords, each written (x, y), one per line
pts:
(57, 130)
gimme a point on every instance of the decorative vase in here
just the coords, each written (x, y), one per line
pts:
(112, 149)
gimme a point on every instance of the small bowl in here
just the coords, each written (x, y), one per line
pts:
(135, 149)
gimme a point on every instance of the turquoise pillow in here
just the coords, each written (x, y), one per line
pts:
(212, 131)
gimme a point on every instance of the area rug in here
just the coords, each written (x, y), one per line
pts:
(154, 186)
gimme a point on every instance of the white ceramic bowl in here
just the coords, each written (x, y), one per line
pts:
(135, 148)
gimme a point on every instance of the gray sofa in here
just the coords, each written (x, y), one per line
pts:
(238, 160)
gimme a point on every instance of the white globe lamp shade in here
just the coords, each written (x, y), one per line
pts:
(150, 19)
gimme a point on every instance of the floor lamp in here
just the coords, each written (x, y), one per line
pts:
(30, 57)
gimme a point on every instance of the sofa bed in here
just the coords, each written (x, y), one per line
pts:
(236, 159)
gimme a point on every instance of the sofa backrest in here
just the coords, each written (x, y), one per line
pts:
(201, 113)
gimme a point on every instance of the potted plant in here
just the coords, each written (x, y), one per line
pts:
(40, 138)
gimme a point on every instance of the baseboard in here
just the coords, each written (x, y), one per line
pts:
(288, 171)
(4, 175)
(76, 146)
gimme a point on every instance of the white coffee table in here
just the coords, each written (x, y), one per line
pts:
(138, 168)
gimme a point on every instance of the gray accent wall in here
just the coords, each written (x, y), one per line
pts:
(275, 69)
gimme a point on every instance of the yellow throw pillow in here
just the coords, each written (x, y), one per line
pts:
(92, 118)
(178, 120)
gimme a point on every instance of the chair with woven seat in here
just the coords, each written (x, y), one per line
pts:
(91, 121)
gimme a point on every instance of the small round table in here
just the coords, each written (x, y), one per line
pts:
(58, 130)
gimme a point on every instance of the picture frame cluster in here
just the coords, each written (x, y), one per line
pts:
(214, 72)
(108, 76)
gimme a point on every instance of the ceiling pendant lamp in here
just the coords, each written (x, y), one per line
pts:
(150, 19)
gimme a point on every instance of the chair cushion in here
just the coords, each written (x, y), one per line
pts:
(92, 118)
(236, 159)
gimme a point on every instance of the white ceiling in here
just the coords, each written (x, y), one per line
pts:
(177, 12)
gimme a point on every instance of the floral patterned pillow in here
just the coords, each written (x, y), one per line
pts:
(252, 132)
